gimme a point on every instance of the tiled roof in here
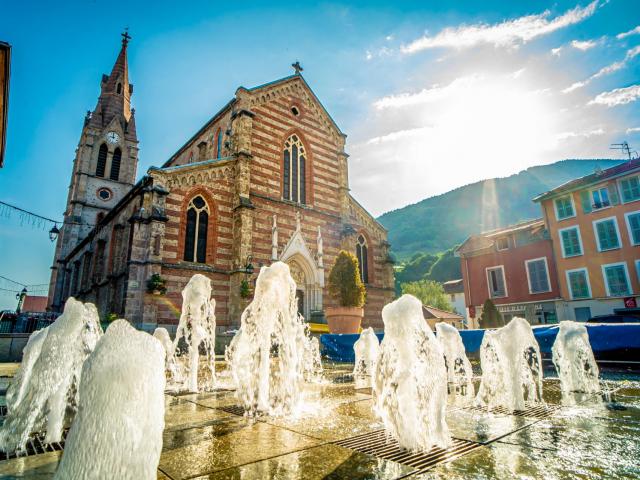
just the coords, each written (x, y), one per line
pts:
(592, 178)
(453, 286)
(34, 303)
(432, 312)
(486, 239)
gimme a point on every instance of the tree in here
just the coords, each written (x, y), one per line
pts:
(429, 293)
(344, 281)
(446, 267)
(490, 317)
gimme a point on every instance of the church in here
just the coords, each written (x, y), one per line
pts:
(265, 179)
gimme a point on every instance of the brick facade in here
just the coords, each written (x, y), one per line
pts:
(249, 221)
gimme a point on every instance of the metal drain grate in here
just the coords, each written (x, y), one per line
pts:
(536, 411)
(233, 409)
(380, 445)
(35, 446)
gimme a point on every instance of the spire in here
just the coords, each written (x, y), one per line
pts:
(115, 95)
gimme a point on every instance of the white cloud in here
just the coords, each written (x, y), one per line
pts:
(633, 130)
(634, 31)
(591, 133)
(435, 93)
(618, 96)
(505, 34)
(584, 46)
(556, 51)
(614, 67)
(393, 136)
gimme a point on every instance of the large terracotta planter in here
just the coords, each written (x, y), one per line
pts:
(344, 319)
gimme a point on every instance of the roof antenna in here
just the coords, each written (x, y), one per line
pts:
(624, 147)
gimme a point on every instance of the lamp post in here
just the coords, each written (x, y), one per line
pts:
(20, 297)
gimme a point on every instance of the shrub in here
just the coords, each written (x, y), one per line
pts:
(156, 284)
(345, 284)
(245, 289)
(490, 317)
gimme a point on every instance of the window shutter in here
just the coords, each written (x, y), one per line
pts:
(613, 194)
(585, 199)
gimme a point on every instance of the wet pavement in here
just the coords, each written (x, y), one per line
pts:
(206, 437)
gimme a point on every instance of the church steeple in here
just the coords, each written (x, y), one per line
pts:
(115, 91)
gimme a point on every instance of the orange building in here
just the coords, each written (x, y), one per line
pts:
(594, 224)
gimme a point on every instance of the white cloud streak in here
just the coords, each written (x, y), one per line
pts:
(633, 130)
(591, 133)
(614, 67)
(635, 31)
(426, 95)
(618, 96)
(583, 46)
(506, 34)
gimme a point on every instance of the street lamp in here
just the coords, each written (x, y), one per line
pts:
(248, 268)
(53, 233)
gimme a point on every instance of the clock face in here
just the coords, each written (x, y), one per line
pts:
(113, 137)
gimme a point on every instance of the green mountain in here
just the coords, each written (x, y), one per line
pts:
(437, 223)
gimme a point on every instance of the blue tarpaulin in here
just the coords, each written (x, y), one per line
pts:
(608, 341)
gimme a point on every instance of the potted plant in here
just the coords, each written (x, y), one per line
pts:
(348, 290)
(156, 285)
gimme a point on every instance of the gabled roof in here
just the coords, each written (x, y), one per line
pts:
(591, 179)
(292, 78)
(453, 286)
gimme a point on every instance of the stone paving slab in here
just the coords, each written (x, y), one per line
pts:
(325, 462)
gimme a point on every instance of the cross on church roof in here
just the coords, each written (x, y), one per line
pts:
(125, 37)
(297, 67)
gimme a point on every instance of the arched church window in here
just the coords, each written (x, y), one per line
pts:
(102, 160)
(294, 170)
(363, 260)
(219, 144)
(195, 241)
(115, 164)
(119, 88)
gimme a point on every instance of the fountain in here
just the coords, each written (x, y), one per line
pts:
(411, 378)
(574, 361)
(266, 356)
(48, 381)
(511, 367)
(366, 349)
(312, 363)
(196, 332)
(170, 364)
(117, 432)
(459, 371)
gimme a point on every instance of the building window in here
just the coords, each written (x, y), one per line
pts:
(495, 279)
(633, 225)
(578, 283)
(119, 88)
(616, 279)
(363, 260)
(115, 164)
(607, 235)
(630, 188)
(195, 242)
(637, 262)
(564, 208)
(502, 243)
(104, 194)
(98, 267)
(219, 144)
(102, 160)
(294, 170)
(600, 198)
(571, 242)
(538, 275)
(202, 151)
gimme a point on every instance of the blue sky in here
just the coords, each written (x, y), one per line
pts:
(432, 94)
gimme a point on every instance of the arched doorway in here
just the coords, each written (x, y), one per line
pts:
(308, 291)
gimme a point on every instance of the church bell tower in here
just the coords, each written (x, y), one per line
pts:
(104, 168)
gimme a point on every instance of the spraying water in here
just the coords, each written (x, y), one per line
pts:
(170, 364)
(459, 371)
(574, 360)
(366, 349)
(266, 357)
(312, 362)
(196, 332)
(46, 386)
(117, 432)
(511, 367)
(411, 378)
